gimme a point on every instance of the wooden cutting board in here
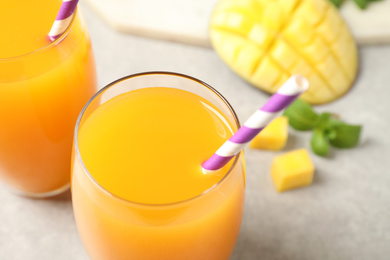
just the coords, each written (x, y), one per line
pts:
(187, 21)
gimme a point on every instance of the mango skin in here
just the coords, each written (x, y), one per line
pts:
(273, 137)
(266, 41)
(292, 170)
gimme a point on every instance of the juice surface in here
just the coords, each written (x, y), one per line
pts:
(147, 145)
(25, 24)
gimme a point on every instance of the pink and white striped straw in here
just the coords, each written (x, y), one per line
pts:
(284, 96)
(63, 19)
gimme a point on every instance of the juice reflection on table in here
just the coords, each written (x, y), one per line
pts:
(140, 193)
(43, 87)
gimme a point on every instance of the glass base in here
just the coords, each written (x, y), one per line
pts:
(43, 195)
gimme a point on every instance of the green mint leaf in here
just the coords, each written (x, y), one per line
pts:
(324, 119)
(337, 3)
(330, 133)
(301, 115)
(318, 142)
(347, 136)
(329, 126)
(362, 3)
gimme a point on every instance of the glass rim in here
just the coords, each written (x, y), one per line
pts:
(47, 46)
(167, 73)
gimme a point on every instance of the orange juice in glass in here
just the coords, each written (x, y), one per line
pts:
(138, 188)
(43, 87)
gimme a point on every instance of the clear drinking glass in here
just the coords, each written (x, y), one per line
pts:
(41, 95)
(204, 226)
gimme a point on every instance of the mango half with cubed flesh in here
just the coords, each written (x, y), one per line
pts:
(266, 41)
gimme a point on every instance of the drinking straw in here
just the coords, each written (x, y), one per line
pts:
(63, 19)
(283, 97)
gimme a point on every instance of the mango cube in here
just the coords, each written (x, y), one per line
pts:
(273, 136)
(292, 170)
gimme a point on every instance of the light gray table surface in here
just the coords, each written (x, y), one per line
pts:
(344, 214)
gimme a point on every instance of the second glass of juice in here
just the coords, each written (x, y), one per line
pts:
(43, 87)
(138, 188)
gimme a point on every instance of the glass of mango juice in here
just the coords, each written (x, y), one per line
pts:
(138, 188)
(43, 87)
